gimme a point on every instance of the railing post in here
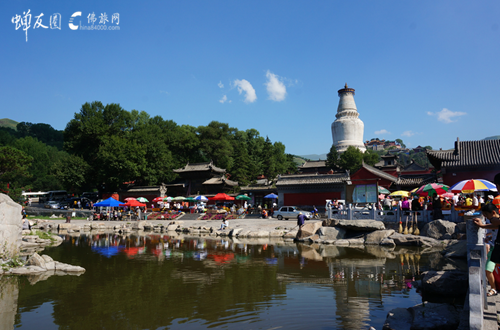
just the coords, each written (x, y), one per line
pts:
(476, 258)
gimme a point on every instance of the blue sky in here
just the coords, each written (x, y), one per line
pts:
(424, 71)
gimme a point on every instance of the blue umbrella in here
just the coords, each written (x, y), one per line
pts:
(110, 202)
(201, 198)
(272, 196)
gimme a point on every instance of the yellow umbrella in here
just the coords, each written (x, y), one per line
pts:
(401, 193)
(413, 190)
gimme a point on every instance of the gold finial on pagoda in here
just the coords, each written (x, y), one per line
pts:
(346, 86)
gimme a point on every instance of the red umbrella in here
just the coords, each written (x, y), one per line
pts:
(158, 199)
(221, 197)
(129, 199)
(133, 203)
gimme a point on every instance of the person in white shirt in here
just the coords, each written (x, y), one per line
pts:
(475, 201)
(455, 199)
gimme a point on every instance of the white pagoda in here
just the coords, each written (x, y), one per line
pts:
(347, 129)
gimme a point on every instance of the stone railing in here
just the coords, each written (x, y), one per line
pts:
(395, 215)
(476, 260)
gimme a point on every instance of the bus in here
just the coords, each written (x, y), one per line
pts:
(54, 195)
(34, 195)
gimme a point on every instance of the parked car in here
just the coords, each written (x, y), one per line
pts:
(52, 205)
(290, 212)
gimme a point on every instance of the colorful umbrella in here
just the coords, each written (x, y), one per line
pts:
(201, 198)
(432, 189)
(382, 190)
(133, 203)
(448, 195)
(110, 202)
(271, 196)
(158, 199)
(130, 199)
(400, 193)
(469, 186)
(242, 198)
(142, 199)
(222, 197)
(179, 198)
(189, 199)
(381, 196)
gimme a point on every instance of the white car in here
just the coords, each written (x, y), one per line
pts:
(291, 212)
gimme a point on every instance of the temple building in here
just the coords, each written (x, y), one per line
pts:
(347, 129)
(204, 178)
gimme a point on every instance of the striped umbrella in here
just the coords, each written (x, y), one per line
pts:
(469, 186)
(142, 199)
(158, 199)
(432, 189)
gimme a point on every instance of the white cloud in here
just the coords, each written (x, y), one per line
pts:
(446, 116)
(408, 133)
(220, 84)
(275, 87)
(224, 99)
(244, 86)
(164, 92)
(382, 131)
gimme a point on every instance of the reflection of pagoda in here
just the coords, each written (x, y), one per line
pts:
(347, 129)
(205, 178)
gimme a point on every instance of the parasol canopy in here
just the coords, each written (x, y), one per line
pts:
(469, 186)
(222, 197)
(242, 198)
(400, 193)
(142, 199)
(201, 198)
(382, 190)
(158, 199)
(179, 198)
(129, 199)
(133, 203)
(432, 189)
(110, 202)
(189, 199)
(271, 196)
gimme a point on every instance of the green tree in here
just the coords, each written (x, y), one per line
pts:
(351, 159)
(14, 165)
(370, 157)
(73, 172)
(332, 158)
(400, 142)
(215, 143)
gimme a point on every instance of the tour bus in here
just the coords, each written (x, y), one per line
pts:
(54, 195)
(34, 195)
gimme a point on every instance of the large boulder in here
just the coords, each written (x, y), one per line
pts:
(308, 229)
(439, 229)
(376, 237)
(414, 240)
(427, 316)
(361, 225)
(457, 250)
(331, 233)
(10, 226)
(445, 283)
(36, 260)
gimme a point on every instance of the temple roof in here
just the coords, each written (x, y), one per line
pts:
(200, 167)
(416, 180)
(313, 164)
(467, 154)
(379, 173)
(295, 179)
(221, 180)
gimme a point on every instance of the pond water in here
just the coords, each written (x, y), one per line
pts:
(165, 282)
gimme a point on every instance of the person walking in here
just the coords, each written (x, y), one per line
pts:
(301, 219)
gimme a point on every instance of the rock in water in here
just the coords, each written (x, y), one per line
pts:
(428, 316)
(452, 283)
(361, 225)
(10, 226)
(376, 237)
(440, 229)
(331, 233)
(308, 229)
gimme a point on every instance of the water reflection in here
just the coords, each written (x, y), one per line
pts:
(178, 282)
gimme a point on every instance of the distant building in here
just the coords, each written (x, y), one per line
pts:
(314, 166)
(468, 160)
(306, 190)
(204, 178)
